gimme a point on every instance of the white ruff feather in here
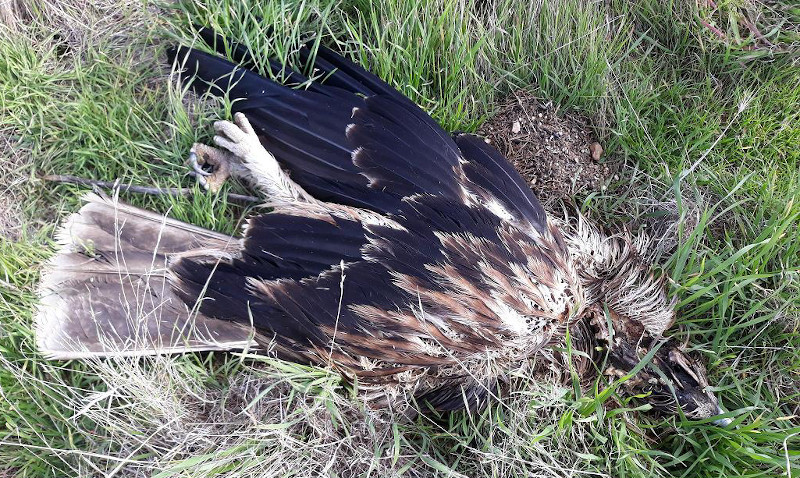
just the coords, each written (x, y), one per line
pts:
(614, 273)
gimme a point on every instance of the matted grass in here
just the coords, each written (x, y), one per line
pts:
(708, 129)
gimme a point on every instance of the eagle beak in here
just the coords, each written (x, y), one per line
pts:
(722, 422)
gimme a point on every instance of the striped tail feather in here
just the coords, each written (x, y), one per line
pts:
(108, 291)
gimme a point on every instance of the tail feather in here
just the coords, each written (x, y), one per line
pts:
(108, 291)
(105, 222)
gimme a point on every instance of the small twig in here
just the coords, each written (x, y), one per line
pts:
(59, 178)
(756, 33)
(719, 33)
(714, 30)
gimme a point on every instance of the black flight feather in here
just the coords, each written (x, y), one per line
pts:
(499, 177)
(308, 133)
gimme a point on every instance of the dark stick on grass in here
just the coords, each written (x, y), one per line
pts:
(61, 178)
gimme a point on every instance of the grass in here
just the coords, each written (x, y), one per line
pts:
(707, 128)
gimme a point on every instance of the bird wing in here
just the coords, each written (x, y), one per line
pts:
(349, 137)
(339, 145)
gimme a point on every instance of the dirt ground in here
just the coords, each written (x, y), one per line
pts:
(556, 153)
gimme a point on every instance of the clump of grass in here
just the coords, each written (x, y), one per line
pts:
(754, 29)
(455, 59)
(458, 59)
(12, 170)
(194, 417)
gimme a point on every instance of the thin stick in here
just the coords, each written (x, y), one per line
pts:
(60, 178)
(716, 31)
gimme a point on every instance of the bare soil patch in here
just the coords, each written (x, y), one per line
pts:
(557, 154)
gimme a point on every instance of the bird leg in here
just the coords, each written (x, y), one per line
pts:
(220, 163)
(242, 155)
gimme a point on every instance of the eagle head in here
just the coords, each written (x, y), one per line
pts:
(669, 380)
(629, 313)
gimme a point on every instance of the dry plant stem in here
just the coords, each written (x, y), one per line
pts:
(60, 178)
(716, 31)
(756, 32)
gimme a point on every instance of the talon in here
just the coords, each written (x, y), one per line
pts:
(197, 167)
(201, 180)
(220, 161)
(238, 152)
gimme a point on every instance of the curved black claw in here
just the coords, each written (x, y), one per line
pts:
(197, 169)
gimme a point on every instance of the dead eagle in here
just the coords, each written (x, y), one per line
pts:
(401, 255)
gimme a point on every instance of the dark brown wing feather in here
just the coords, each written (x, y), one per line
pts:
(444, 286)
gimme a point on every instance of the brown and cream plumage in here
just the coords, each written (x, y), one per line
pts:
(411, 259)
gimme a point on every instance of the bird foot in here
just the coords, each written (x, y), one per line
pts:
(238, 146)
(241, 154)
(238, 137)
(211, 166)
